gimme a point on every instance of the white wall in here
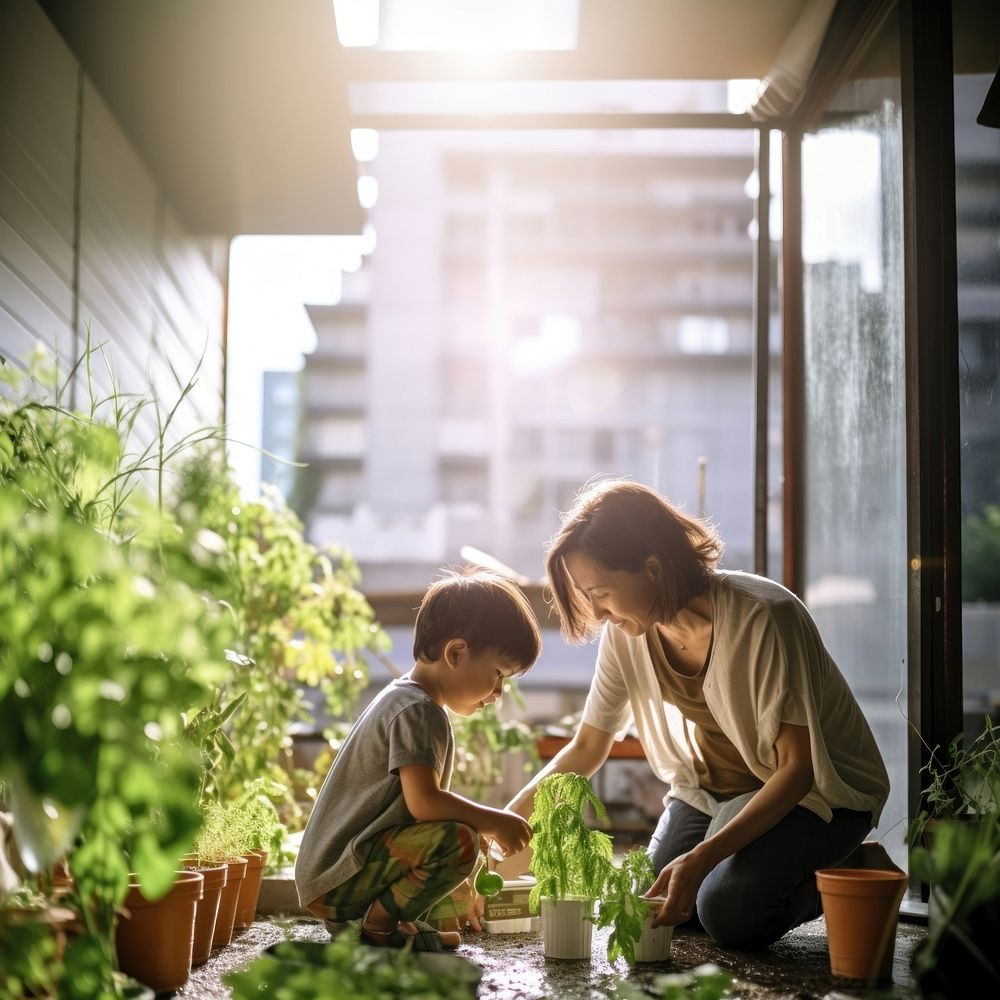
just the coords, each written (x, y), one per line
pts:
(87, 237)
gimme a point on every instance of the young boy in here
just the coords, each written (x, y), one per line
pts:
(387, 839)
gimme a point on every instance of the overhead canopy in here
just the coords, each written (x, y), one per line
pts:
(240, 107)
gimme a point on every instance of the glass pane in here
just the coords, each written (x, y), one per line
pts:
(977, 197)
(855, 559)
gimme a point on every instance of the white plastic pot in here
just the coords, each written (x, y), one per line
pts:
(654, 944)
(567, 927)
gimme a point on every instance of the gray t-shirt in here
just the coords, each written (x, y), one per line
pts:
(362, 794)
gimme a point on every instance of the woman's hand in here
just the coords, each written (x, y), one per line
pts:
(679, 882)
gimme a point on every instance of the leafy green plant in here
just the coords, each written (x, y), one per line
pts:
(253, 814)
(249, 823)
(108, 637)
(346, 968)
(483, 739)
(302, 621)
(705, 982)
(568, 857)
(961, 865)
(205, 731)
(964, 783)
(621, 906)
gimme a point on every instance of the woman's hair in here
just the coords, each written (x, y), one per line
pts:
(619, 525)
(485, 609)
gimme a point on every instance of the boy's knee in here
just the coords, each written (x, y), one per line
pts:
(463, 851)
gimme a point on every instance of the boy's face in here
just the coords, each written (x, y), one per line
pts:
(474, 680)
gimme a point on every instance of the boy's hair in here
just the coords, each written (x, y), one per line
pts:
(619, 525)
(485, 609)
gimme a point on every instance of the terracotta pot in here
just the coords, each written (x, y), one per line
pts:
(246, 906)
(861, 907)
(228, 900)
(654, 943)
(155, 939)
(567, 927)
(208, 907)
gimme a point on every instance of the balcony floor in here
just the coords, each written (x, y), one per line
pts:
(797, 967)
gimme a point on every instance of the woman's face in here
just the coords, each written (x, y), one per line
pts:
(630, 601)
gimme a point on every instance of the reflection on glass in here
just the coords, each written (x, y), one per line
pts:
(855, 440)
(977, 196)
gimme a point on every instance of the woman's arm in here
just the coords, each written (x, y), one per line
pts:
(428, 803)
(584, 754)
(784, 789)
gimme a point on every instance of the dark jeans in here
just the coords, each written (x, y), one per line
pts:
(759, 893)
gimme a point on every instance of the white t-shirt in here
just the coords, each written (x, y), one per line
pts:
(767, 665)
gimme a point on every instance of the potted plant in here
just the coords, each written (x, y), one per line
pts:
(154, 935)
(107, 637)
(301, 620)
(964, 783)
(483, 741)
(260, 833)
(571, 862)
(218, 844)
(961, 865)
(623, 908)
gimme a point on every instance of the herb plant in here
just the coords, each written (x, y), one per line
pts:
(483, 739)
(108, 637)
(964, 782)
(962, 867)
(621, 906)
(347, 968)
(706, 982)
(568, 857)
(300, 617)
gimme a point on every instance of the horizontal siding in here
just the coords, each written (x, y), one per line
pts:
(38, 96)
(147, 290)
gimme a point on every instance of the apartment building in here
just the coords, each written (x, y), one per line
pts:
(540, 310)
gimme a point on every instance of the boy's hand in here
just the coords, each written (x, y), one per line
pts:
(510, 831)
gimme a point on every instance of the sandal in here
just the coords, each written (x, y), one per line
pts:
(426, 938)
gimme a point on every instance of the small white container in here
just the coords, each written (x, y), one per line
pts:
(567, 927)
(654, 944)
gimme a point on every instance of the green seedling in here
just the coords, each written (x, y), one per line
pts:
(568, 857)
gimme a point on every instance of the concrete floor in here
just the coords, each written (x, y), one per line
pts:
(797, 967)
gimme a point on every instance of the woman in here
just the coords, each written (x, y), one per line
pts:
(773, 770)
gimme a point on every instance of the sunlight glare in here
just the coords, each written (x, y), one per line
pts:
(367, 191)
(443, 25)
(364, 144)
(558, 340)
(357, 22)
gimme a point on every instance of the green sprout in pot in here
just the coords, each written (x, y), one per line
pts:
(568, 857)
(622, 907)
(964, 782)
